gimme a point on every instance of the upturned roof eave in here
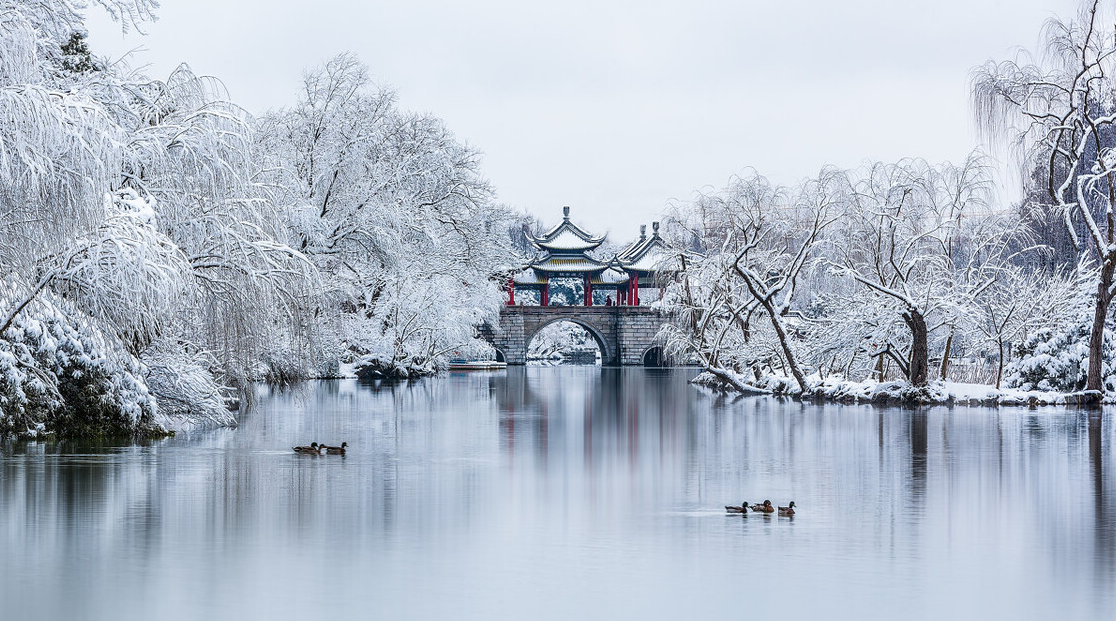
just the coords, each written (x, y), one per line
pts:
(566, 225)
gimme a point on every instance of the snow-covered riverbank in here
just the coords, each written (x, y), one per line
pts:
(895, 392)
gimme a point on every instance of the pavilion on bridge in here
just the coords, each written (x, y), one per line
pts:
(563, 252)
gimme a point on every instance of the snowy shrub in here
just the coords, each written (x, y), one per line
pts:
(1057, 359)
(59, 373)
(27, 396)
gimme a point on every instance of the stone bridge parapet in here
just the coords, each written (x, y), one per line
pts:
(625, 334)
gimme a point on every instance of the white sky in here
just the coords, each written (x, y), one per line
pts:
(615, 108)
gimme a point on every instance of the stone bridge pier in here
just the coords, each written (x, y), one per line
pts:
(625, 334)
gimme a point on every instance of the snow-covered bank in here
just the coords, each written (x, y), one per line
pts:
(373, 367)
(844, 391)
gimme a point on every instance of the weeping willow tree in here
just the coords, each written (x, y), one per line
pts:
(136, 202)
(1057, 111)
(251, 294)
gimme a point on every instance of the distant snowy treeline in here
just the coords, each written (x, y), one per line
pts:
(159, 243)
(907, 269)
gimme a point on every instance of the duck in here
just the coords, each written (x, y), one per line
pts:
(743, 508)
(787, 511)
(313, 449)
(766, 507)
(335, 450)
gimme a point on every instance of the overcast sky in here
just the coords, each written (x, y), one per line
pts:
(616, 108)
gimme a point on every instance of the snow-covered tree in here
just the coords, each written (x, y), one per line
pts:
(1059, 112)
(1022, 302)
(393, 211)
(921, 240)
(136, 201)
(753, 240)
(1055, 355)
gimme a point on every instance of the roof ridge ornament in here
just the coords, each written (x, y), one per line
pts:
(655, 229)
(642, 232)
(567, 237)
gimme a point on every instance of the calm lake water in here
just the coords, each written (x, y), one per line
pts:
(569, 493)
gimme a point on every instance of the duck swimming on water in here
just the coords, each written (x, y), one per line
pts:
(787, 511)
(313, 449)
(766, 507)
(743, 508)
(335, 450)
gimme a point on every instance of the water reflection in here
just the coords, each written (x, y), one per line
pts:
(568, 492)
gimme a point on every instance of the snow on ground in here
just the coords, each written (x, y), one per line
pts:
(870, 391)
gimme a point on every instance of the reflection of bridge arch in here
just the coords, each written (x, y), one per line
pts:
(624, 333)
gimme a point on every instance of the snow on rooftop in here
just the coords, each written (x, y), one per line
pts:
(568, 240)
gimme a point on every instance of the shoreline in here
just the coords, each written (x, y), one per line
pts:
(896, 393)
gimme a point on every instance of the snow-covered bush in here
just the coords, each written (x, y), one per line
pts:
(1056, 356)
(1057, 359)
(60, 374)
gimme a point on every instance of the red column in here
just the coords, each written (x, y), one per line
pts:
(588, 290)
(544, 298)
(511, 292)
(635, 289)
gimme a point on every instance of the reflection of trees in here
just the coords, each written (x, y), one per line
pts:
(1105, 522)
(918, 444)
(436, 456)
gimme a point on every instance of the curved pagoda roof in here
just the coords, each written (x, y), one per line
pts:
(647, 254)
(634, 246)
(567, 263)
(564, 252)
(611, 276)
(566, 238)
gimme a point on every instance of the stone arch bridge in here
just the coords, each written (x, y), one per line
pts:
(625, 334)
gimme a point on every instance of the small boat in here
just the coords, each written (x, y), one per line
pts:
(476, 365)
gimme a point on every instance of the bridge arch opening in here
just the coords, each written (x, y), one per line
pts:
(566, 341)
(654, 357)
(500, 356)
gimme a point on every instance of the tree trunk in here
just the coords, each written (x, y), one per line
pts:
(732, 381)
(27, 299)
(919, 368)
(1000, 366)
(776, 323)
(784, 342)
(1095, 379)
(945, 356)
